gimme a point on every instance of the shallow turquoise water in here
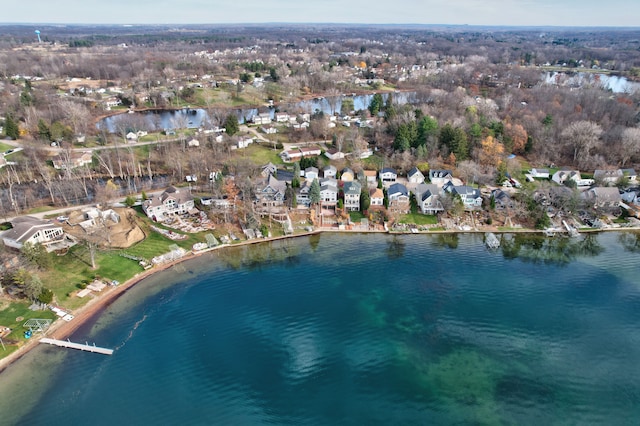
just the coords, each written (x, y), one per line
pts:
(365, 329)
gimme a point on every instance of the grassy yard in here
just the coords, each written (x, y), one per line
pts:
(70, 270)
(419, 219)
(4, 147)
(13, 315)
(262, 155)
(356, 216)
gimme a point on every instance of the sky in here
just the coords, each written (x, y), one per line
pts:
(456, 12)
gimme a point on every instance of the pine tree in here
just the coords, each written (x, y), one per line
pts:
(11, 128)
(314, 192)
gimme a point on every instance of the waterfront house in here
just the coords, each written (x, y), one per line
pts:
(271, 193)
(471, 197)
(328, 192)
(302, 194)
(428, 198)
(173, 201)
(28, 229)
(398, 196)
(605, 198)
(502, 199)
(352, 195)
(377, 197)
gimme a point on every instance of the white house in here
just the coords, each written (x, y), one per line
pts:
(561, 176)
(388, 175)
(330, 171)
(282, 117)
(471, 197)
(377, 197)
(193, 142)
(264, 118)
(334, 154)
(328, 192)
(415, 176)
(244, 142)
(608, 176)
(28, 229)
(539, 173)
(440, 177)
(172, 201)
(352, 195)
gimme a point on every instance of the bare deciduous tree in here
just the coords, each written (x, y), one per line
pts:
(581, 137)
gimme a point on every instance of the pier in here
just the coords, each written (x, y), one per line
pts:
(79, 346)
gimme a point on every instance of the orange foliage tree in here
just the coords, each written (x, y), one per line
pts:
(518, 136)
(491, 152)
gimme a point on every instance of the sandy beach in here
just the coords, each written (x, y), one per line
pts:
(62, 330)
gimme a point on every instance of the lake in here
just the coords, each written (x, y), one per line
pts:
(199, 117)
(358, 329)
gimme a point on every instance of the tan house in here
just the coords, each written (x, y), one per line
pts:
(173, 201)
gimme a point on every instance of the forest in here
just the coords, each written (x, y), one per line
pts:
(479, 94)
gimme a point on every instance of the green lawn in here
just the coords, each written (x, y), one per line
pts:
(72, 269)
(4, 147)
(419, 219)
(262, 155)
(356, 216)
(9, 313)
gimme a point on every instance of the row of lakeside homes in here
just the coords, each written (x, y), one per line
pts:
(271, 190)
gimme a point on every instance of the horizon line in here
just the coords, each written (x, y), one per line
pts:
(353, 24)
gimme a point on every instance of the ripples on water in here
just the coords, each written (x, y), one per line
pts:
(367, 330)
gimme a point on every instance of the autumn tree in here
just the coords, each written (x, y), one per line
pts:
(491, 152)
(517, 137)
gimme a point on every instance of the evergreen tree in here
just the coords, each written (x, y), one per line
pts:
(43, 131)
(231, 124)
(314, 192)
(376, 104)
(427, 127)
(11, 128)
(365, 199)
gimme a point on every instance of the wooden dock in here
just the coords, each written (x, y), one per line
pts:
(79, 346)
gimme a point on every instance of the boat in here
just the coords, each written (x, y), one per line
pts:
(491, 240)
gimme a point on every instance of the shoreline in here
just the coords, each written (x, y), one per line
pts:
(62, 330)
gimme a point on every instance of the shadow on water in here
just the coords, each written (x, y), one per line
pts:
(554, 251)
(630, 241)
(255, 256)
(395, 248)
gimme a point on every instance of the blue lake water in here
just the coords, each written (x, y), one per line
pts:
(358, 329)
